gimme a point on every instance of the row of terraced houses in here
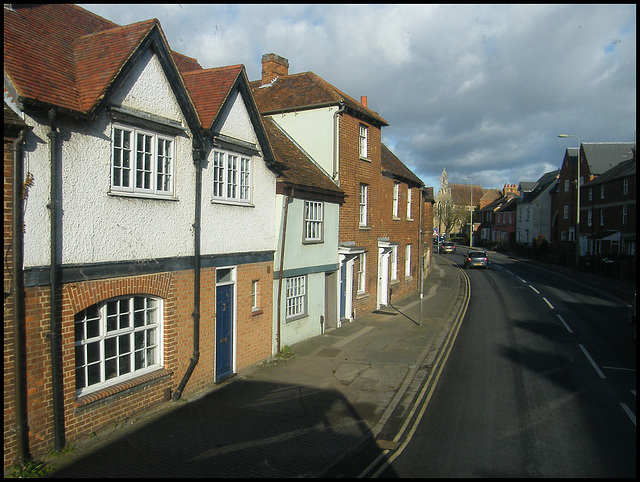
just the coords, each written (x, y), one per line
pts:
(168, 226)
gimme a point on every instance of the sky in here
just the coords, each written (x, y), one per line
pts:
(481, 90)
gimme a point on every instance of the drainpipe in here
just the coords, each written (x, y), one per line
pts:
(54, 276)
(284, 234)
(336, 142)
(198, 155)
(18, 295)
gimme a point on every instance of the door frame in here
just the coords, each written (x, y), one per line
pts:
(230, 281)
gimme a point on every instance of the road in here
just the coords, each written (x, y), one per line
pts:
(540, 382)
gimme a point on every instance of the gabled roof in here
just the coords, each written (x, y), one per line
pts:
(297, 168)
(210, 88)
(461, 194)
(65, 56)
(540, 186)
(623, 169)
(396, 169)
(602, 156)
(307, 91)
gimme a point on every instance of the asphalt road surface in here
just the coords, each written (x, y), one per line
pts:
(540, 383)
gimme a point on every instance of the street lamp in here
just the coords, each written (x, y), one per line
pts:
(577, 202)
(471, 210)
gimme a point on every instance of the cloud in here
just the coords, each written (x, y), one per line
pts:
(480, 88)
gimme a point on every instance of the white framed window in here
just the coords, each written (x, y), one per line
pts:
(231, 177)
(590, 217)
(362, 272)
(590, 194)
(364, 134)
(566, 212)
(142, 162)
(363, 204)
(409, 203)
(567, 185)
(407, 261)
(625, 186)
(624, 214)
(602, 217)
(396, 200)
(601, 191)
(116, 340)
(296, 297)
(313, 221)
(254, 295)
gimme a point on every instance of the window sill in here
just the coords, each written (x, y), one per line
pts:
(366, 159)
(364, 228)
(232, 203)
(256, 312)
(136, 195)
(114, 390)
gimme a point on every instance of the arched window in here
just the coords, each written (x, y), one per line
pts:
(116, 340)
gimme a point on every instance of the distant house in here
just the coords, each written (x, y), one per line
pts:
(149, 223)
(497, 219)
(343, 136)
(533, 210)
(455, 199)
(595, 159)
(608, 211)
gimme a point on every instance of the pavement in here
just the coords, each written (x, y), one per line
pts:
(352, 392)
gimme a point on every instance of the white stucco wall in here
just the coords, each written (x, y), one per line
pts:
(101, 227)
(304, 257)
(313, 130)
(228, 228)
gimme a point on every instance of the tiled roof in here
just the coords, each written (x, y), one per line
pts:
(209, 89)
(100, 57)
(303, 91)
(296, 166)
(66, 56)
(391, 164)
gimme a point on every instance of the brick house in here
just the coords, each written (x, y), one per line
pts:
(401, 225)
(608, 218)
(130, 166)
(595, 159)
(533, 220)
(344, 137)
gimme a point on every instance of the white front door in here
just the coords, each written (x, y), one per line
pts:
(383, 276)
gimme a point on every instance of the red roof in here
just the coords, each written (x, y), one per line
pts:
(67, 56)
(305, 90)
(209, 89)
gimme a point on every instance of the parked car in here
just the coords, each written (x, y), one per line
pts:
(448, 247)
(476, 258)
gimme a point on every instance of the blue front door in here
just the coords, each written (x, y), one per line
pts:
(224, 331)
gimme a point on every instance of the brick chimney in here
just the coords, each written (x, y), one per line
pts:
(273, 66)
(363, 100)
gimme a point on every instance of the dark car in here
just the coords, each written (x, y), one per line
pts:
(448, 247)
(476, 259)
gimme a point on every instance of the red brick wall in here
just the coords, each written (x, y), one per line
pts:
(88, 414)
(354, 171)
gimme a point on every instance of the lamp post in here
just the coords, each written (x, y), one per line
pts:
(577, 201)
(471, 211)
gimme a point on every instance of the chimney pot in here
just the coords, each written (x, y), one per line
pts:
(273, 66)
(363, 100)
